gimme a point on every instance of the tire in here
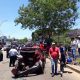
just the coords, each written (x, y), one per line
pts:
(40, 70)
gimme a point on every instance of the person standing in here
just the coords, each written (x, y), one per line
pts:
(73, 50)
(63, 58)
(13, 55)
(79, 48)
(54, 54)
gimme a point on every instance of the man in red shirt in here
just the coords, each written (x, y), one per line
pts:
(54, 54)
(41, 46)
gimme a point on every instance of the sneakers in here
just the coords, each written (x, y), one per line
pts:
(55, 73)
(61, 73)
(52, 75)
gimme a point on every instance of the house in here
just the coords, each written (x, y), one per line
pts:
(74, 33)
(75, 36)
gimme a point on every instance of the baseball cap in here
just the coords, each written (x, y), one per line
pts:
(53, 43)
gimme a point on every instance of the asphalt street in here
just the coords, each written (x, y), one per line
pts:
(5, 73)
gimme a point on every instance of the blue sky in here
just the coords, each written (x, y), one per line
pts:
(9, 11)
(77, 22)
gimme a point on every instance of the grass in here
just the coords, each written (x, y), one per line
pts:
(78, 60)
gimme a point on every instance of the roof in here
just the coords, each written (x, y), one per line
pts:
(74, 33)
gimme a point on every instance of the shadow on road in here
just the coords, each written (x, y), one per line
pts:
(67, 72)
(30, 75)
(56, 73)
(63, 72)
(18, 77)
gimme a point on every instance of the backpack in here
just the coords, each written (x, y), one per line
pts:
(69, 60)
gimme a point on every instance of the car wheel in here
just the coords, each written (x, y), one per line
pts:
(40, 70)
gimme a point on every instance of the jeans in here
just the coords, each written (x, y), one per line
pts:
(12, 60)
(74, 53)
(62, 64)
(54, 65)
(79, 51)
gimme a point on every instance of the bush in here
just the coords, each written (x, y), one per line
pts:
(78, 60)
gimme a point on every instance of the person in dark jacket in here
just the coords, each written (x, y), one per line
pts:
(63, 58)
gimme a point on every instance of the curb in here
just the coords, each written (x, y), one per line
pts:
(72, 68)
(76, 70)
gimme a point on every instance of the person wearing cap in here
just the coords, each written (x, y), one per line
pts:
(13, 55)
(54, 54)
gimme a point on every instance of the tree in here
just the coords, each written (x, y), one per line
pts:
(62, 38)
(35, 36)
(55, 15)
(23, 40)
(40, 34)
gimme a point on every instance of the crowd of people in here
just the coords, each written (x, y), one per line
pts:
(54, 51)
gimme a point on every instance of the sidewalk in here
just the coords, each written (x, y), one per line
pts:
(76, 68)
(5, 60)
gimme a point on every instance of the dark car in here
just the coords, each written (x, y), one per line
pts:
(32, 61)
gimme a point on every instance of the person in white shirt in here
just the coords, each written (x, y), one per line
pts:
(79, 48)
(13, 56)
(73, 48)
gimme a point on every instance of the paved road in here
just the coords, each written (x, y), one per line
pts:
(5, 73)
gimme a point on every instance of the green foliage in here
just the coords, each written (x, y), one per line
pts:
(35, 36)
(78, 60)
(41, 33)
(23, 40)
(62, 38)
(56, 15)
